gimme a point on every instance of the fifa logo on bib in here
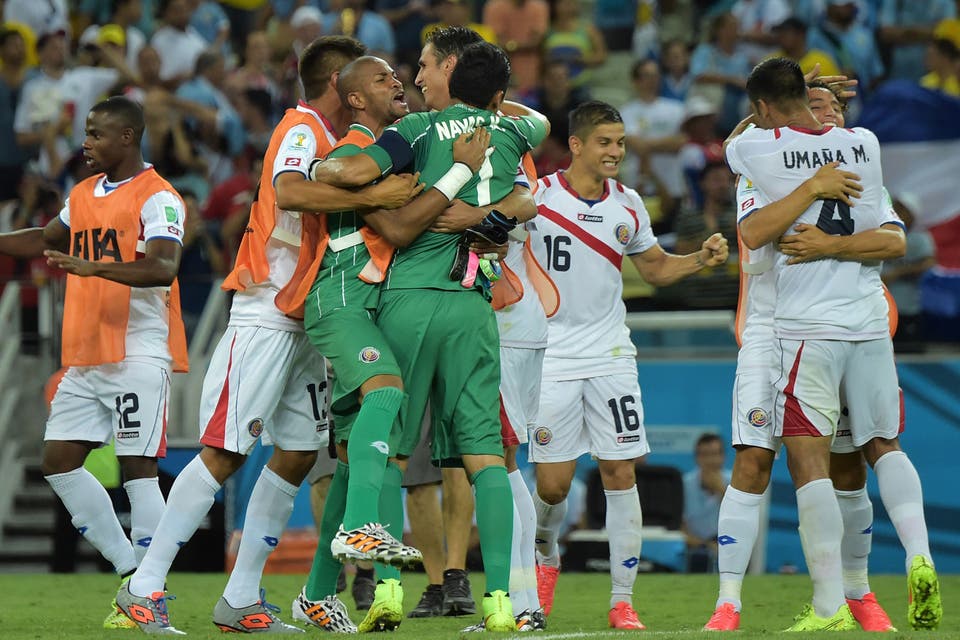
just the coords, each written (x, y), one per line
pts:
(369, 354)
(623, 233)
(758, 417)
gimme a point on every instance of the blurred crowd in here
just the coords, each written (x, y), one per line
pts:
(215, 77)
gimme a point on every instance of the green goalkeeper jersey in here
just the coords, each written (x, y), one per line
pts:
(425, 264)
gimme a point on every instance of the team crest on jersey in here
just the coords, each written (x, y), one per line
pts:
(369, 354)
(542, 436)
(622, 232)
(758, 417)
(255, 427)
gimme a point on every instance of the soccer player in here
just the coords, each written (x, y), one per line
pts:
(119, 238)
(344, 257)
(830, 321)
(442, 332)
(590, 399)
(264, 375)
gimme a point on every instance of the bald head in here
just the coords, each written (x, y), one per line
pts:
(359, 74)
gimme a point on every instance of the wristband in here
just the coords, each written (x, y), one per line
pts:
(491, 269)
(312, 169)
(470, 274)
(453, 180)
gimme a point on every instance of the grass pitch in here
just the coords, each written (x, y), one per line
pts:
(42, 607)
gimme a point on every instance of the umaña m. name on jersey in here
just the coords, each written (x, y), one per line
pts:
(582, 243)
(825, 299)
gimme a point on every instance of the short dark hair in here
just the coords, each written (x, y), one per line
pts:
(126, 111)
(6, 33)
(482, 70)
(706, 438)
(777, 81)
(639, 64)
(820, 84)
(260, 100)
(451, 41)
(205, 60)
(591, 114)
(322, 58)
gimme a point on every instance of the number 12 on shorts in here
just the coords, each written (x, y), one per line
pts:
(624, 414)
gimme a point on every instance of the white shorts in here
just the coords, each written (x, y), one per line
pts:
(843, 440)
(602, 416)
(126, 401)
(264, 380)
(753, 393)
(813, 373)
(520, 373)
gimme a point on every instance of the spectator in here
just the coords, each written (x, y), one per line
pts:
(652, 124)
(574, 41)
(180, 43)
(756, 19)
(520, 26)
(307, 25)
(257, 71)
(255, 109)
(227, 210)
(368, 27)
(676, 20)
(943, 66)
(703, 488)
(48, 16)
(792, 36)
(407, 18)
(456, 13)
(13, 54)
(211, 22)
(851, 45)
(616, 20)
(703, 145)
(675, 63)
(720, 69)
(127, 14)
(902, 276)
(201, 262)
(243, 16)
(554, 98)
(169, 146)
(106, 11)
(906, 28)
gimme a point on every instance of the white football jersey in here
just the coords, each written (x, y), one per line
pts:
(522, 324)
(758, 283)
(255, 305)
(581, 244)
(824, 299)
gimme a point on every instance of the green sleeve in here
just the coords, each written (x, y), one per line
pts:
(533, 130)
(345, 151)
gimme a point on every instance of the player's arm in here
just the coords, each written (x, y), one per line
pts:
(511, 108)
(768, 223)
(660, 268)
(31, 243)
(887, 242)
(296, 193)
(460, 216)
(392, 151)
(157, 268)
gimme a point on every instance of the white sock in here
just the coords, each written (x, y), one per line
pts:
(518, 595)
(270, 506)
(737, 530)
(821, 528)
(549, 519)
(624, 520)
(146, 507)
(191, 497)
(528, 523)
(902, 497)
(857, 512)
(93, 515)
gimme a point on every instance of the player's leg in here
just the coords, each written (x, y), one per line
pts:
(555, 448)
(458, 507)
(873, 396)
(614, 419)
(754, 446)
(806, 411)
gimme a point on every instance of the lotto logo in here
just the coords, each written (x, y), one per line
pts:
(291, 162)
(746, 204)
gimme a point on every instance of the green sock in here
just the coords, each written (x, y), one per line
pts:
(367, 451)
(391, 514)
(322, 581)
(495, 524)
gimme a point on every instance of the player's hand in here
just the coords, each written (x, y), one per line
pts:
(489, 251)
(70, 264)
(471, 148)
(713, 482)
(808, 243)
(396, 190)
(832, 183)
(457, 217)
(714, 251)
(842, 84)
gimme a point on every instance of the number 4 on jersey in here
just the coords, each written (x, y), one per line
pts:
(835, 218)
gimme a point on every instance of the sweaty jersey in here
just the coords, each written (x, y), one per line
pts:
(161, 217)
(425, 264)
(825, 299)
(293, 148)
(758, 281)
(582, 243)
